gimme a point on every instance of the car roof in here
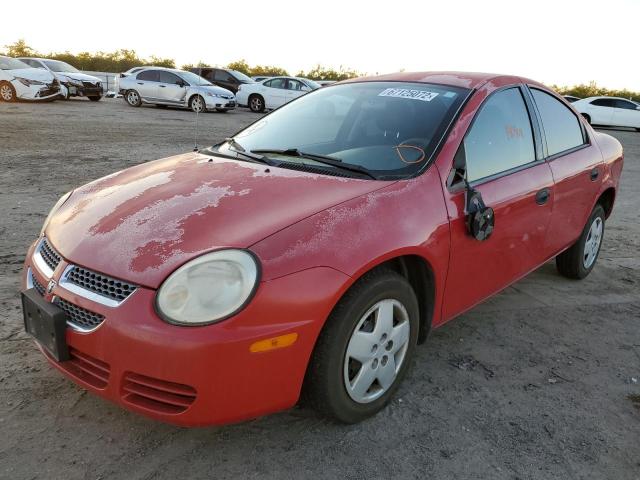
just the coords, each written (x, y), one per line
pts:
(452, 78)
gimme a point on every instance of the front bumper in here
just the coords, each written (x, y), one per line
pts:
(37, 92)
(218, 103)
(198, 375)
(84, 90)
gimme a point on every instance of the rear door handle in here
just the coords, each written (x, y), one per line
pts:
(542, 196)
(594, 174)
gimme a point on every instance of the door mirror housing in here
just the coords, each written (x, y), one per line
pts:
(480, 218)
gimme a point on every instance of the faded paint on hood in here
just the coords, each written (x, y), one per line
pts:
(140, 224)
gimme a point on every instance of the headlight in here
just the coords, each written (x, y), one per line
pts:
(217, 95)
(208, 289)
(71, 81)
(55, 208)
(27, 83)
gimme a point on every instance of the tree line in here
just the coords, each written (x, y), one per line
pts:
(124, 59)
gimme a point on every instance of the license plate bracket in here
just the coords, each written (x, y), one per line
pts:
(46, 322)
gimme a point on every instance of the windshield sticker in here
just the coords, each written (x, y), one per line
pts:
(421, 95)
(450, 94)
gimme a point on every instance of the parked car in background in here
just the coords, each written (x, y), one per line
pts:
(73, 82)
(325, 83)
(173, 87)
(133, 70)
(19, 81)
(315, 249)
(571, 98)
(273, 92)
(259, 78)
(610, 111)
(223, 77)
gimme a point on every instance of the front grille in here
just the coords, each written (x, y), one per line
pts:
(101, 284)
(49, 255)
(89, 84)
(157, 395)
(88, 369)
(36, 284)
(79, 316)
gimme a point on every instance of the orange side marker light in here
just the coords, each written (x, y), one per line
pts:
(274, 343)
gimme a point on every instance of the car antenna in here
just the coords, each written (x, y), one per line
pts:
(195, 140)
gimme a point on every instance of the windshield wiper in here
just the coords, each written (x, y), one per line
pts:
(235, 147)
(325, 159)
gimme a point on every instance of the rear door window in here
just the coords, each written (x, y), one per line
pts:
(276, 83)
(561, 126)
(501, 137)
(149, 76)
(625, 104)
(603, 102)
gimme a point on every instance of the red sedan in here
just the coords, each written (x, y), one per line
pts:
(310, 253)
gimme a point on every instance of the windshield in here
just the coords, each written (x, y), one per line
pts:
(194, 79)
(58, 66)
(389, 128)
(241, 76)
(8, 63)
(313, 85)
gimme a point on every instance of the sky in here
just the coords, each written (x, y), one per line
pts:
(563, 42)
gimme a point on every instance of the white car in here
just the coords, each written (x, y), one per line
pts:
(273, 92)
(73, 82)
(19, 81)
(610, 111)
(172, 87)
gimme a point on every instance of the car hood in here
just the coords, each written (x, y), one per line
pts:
(140, 224)
(32, 74)
(81, 77)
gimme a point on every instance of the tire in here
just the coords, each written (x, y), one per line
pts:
(587, 118)
(331, 384)
(578, 261)
(132, 97)
(197, 104)
(256, 103)
(7, 92)
(95, 98)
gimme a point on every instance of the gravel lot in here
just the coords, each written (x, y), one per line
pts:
(537, 383)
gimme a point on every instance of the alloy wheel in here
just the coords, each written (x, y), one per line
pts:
(256, 104)
(376, 351)
(197, 105)
(6, 93)
(592, 244)
(133, 98)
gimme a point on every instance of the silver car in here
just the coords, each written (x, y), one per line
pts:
(168, 86)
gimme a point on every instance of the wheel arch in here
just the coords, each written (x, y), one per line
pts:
(420, 274)
(606, 199)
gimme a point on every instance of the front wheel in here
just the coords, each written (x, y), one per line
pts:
(365, 348)
(95, 98)
(7, 92)
(197, 104)
(133, 98)
(578, 261)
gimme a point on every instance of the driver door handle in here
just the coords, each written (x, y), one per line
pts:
(542, 196)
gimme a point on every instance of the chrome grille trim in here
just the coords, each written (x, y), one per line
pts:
(32, 282)
(71, 281)
(79, 318)
(46, 258)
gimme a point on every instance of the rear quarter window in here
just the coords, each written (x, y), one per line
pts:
(561, 126)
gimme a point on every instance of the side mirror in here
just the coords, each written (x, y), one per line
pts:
(480, 218)
(181, 84)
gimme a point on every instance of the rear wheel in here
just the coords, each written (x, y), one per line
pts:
(133, 98)
(578, 261)
(197, 104)
(7, 92)
(364, 349)
(256, 103)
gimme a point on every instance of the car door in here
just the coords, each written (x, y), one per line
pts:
(294, 89)
(171, 88)
(147, 84)
(501, 159)
(577, 168)
(626, 114)
(274, 91)
(600, 111)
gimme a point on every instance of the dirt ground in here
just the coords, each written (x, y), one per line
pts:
(537, 383)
